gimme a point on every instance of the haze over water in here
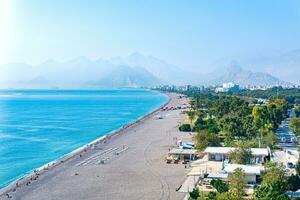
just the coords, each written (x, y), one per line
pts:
(37, 127)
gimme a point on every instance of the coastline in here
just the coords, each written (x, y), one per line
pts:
(138, 172)
(35, 173)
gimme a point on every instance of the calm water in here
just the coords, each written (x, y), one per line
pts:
(37, 127)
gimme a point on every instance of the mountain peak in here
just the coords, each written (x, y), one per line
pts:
(49, 62)
(236, 74)
(80, 59)
(136, 56)
(234, 67)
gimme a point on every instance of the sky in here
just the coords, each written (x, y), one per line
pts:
(186, 33)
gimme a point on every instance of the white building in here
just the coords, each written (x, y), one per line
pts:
(222, 153)
(228, 87)
(252, 172)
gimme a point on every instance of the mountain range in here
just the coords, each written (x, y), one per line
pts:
(135, 70)
(236, 74)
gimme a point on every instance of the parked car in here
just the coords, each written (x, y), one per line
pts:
(290, 165)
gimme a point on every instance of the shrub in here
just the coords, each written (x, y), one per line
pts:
(185, 128)
(194, 194)
(220, 185)
(211, 196)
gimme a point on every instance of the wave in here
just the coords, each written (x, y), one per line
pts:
(33, 127)
(29, 139)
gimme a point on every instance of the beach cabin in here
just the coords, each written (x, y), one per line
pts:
(252, 172)
(184, 154)
(222, 154)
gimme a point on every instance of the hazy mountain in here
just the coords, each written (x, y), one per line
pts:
(125, 76)
(285, 66)
(136, 70)
(77, 73)
(236, 74)
(171, 74)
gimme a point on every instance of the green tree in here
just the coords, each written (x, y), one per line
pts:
(274, 183)
(248, 127)
(297, 111)
(281, 106)
(274, 174)
(293, 183)
(295, 125)
(226, 196)
(185, 127)
(200, 124)
(212, 126)
(241, 155)
(211, 196)
(297, 168)
(232, 126)
(194, 194)
(274, 191)
(191, 115)
(237, 183)
(268, 139)
(204, 139)
(259, 114)
(220, 185)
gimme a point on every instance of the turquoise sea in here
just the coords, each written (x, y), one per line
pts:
(39, 126)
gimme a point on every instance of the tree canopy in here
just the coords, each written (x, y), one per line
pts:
(237, 183)
(274, 183)
(241, 155)
(220, 185)
(204, 139)
(234, 117)
(295, 125)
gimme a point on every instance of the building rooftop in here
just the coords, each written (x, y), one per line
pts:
(226, 150)
(182, 151)
(217, 176)
(248, 169)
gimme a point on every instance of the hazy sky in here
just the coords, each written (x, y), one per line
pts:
(186, 33)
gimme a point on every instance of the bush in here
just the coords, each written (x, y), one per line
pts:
(220, 185)
(270, 191)
(194, 194)
(293, 183)
(226, 196)
(185, 128)
(211, 196)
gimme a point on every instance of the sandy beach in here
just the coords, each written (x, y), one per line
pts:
(129, 165)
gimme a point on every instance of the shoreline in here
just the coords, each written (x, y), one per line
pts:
(35, 173)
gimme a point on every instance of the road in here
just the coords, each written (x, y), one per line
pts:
(286, 139)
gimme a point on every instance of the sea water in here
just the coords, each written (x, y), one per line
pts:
(39, 126)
